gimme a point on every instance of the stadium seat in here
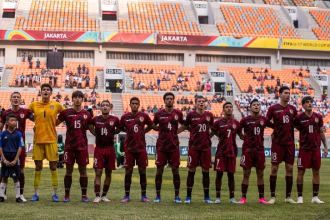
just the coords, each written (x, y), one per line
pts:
(322, 18)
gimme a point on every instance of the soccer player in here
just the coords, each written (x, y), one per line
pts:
(105, 153)
(45, 138)
(11, 142)
(226, 129)
(199, 122)
(133, 123)
(253, 154)
(78, 121)
(310, 126)
(167, 146)
(22, 115)
(283, 148)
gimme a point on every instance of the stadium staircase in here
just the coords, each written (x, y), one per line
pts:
(117, 104)
(122, 9)
(6, 78)
(23, 10)
(94, 11)
(100, 76)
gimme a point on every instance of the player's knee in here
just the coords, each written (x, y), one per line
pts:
(175, 170)
(316, 172)
(260, 175)
(129, 171)
(160, 170)
(289, 170)
(246, 173)
(98, 173)
(274, 170)
(142, 170)
(192, 170)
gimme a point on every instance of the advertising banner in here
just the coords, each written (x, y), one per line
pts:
(298, 44)
(115, 37)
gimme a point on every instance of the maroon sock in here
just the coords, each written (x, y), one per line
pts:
(244, 189)
(231, 185)
(22, 183)
(105, 190)
(128, 181)
(143, 183)
(67, 184)
(272, 180)
(299, 189)
(288, 180)
(176, 183)
(261, 190)
(97, 189)
(190, 182)
(83, 185)
(206, 184)
(158, 183)
(218, 180)
(316, 189)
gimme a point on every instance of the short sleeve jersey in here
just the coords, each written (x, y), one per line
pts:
(227, 130)
(283, 123)
(77, 126)
(22, 115)
(309, 130)
(254, 133)
(134, 125)
(105, 130)
(45, 115)
(199, 130)
(10, 142)
(168, 126)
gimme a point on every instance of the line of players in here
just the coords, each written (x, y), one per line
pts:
(282, 117)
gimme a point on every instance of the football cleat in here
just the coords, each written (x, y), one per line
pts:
(242, 201)
(66, 199)
(263, 201)
(97, 199)
(55, 198)
(233, 201)
(84, 199)
(104, 199)
(289, 200)
(34, 198)
(272, 200)
(19, 200)
(157, 199)
(207, 200)
(217, 201)
(188, 200)
(22, 198)
(177, 200)
(5, 197)
(2, 199)
(316, 200)
(300, 200)
(145, 199)
(126, 199)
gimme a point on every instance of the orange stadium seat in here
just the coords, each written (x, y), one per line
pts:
(58, 15)
(322, 19)
(245, 21)
(307, 3)
(276, 2)
(165, 18)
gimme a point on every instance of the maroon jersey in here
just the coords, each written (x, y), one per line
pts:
(309, 130)
(254, 133)
(22, 114)
(168, 126)
(283, 123)
(227, 136)
(199, 130)
(76, 127)
(134, 125)
(105, 130)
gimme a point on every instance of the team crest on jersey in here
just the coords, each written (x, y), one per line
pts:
(234, 126)
(51, 107)
(262, 123)
(111, 123)
(208, 118)
(85, 116)
(291, 111)
(141, 119)
(22, 115)
(316, 120)
(176, 117)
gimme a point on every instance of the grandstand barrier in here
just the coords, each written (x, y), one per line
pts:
(295, 44)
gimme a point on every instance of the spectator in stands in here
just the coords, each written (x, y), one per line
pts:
(133, 82)
(155, 109)
(96, 82)
(30, 80)
(203, 84)
(30, 57)
(140, 70)
(16, 80)
(278, 82)
(293, 71)
(121, 87)
(198, 86)
(144, 71)
(318, 69)
(307, 69)
(228, 89)
(142, 85)
(23, 56)
(192, 74)
(158, 82)
(55, 48)
(324, 71)
(30, 64)
(208, 86)
(254, 76)
(107, 85)
(300, 74)
(151, 71)
(66, 98)
(87, 79)
(67, 80)
(79, 69)
(117, 86)
(79, 82)
(42, 72)
(179, 80)
(48, 71)
(300, 69)
(248, 70)
(83, 69)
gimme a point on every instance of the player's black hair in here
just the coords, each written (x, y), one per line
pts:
(15, 93)
(46, 85)
(283, 88)
(254, 100)
(167, 94)
(199, 97)
(10, 116)
(59, 138)
(134, 99)
(105, 101)
(307, 98)
(227, 103)
(77, 94)
(91, 112)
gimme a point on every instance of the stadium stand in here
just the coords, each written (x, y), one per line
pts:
(276, 2)
(322, 18)
(68, 15)
(164, 18)
(306, 3)
(244, 21)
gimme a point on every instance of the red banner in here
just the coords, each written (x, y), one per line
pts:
(185, 39)
(114, 37)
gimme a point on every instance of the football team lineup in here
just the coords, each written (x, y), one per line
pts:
(283, 118)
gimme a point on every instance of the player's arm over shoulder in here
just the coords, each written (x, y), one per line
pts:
(59, 107)
(60, 117)
(31, 107)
